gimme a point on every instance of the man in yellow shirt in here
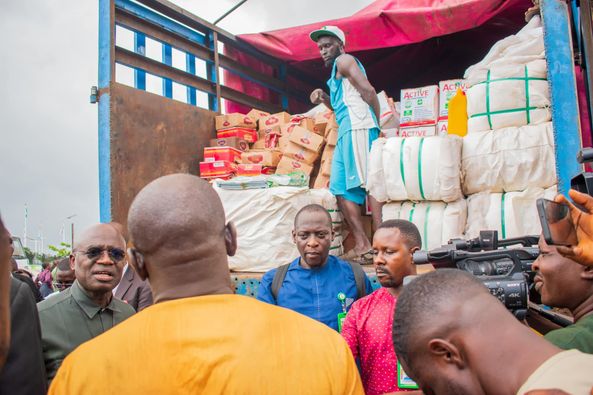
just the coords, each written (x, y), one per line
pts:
(198, 337)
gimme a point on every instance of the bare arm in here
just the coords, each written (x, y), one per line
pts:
(348, 68)
(5, 254)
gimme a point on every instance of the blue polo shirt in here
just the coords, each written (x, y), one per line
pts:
(314, 292)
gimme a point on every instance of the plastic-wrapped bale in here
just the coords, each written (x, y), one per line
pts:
(438, 222)
(264, 219)
(512, 214)
(375, 174)
(508, 160)
(422, 168)
(511, 95)
(519, 49)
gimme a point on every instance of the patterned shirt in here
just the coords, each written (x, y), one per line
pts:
(367, 330)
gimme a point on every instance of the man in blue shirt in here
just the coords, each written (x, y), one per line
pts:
(311, 283)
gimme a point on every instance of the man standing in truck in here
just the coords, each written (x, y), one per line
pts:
(356, 106)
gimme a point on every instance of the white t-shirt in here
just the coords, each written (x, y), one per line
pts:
(570, 371)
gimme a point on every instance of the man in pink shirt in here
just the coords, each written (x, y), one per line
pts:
(367, 328)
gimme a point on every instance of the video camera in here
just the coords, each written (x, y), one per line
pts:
(506, 273)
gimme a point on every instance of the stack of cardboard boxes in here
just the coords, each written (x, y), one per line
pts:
(425, 110)
(261, 143)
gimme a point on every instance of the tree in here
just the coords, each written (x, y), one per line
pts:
(62, 251)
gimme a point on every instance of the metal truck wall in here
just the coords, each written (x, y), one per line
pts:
(152, 136)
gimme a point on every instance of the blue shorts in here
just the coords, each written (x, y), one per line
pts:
(349, 164)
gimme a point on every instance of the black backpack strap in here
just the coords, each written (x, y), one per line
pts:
(359, 278)
(278, 280)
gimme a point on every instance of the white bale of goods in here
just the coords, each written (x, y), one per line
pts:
(510, 95)
(422, 168)
(438, 222)
(508, 160)
(375, 175)
(264, 220)
(522, 48)
(512, 214)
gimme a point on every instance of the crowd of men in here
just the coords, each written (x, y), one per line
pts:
(317, 328)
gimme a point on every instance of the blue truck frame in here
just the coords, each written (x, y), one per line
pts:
(164, 17)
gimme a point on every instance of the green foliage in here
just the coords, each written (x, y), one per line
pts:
(60, 252)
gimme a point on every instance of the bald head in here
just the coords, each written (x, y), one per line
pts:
(424, 308)
(100, 234)
(178, 211)
(177, 226)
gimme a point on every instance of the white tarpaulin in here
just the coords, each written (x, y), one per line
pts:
(512, 214)
(508, 160)
(264, 219)
(437, 222)
(416, 168)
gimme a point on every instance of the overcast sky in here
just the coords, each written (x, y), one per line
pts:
(48, 150)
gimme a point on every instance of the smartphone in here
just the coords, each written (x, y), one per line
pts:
(557, 225)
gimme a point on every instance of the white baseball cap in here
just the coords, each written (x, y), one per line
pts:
(328, 31)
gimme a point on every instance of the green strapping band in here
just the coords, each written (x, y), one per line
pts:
(425, 238)
(401, 161)
(502, 220)
(527, 95)
(420, 168)
(412, 212)
(514, 79)
(503, 112)
(488, 99)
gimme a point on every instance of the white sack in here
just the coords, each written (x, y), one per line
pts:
(264, 219)
(510, 159)
(508, 99)
(375, 175)
(437, 222)
(525, 46)
(485, 212)
(422, 168)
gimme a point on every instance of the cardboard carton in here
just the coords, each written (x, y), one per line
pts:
(234, 142)
(274, 120)
(388, 118)
(217, 169)
(256, 114)
(420, 131)
(419, 106)
(448, 89)
(229, 154)
(332, 137)
(332, 122)
(307, 139)
(321, 182)
(247, 134)
(300, 153)
(264, 158)
(304, 122)
(288, 165)
(234, 120)
(328, 152)
(249, 169)
(326, 167)
(442, 128)
(268, 171)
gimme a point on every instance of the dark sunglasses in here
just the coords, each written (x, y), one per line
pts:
(116, 254)
(62, 285)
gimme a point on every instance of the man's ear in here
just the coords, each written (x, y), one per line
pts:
(72, 261)
(587, 273)
(230, 239)
(136, 260)
(446, 352)
(294, 235)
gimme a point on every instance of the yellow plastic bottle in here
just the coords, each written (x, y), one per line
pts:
(458, 114)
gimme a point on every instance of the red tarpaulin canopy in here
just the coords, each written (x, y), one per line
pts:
(401, 43)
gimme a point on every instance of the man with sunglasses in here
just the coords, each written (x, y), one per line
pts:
(64, 277)
(87, 308)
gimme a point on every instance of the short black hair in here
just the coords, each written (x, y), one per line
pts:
(313, 208)
(420, 303)
(408, 230)
(64, 265)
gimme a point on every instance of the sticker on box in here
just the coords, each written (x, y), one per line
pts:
(420, 131)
